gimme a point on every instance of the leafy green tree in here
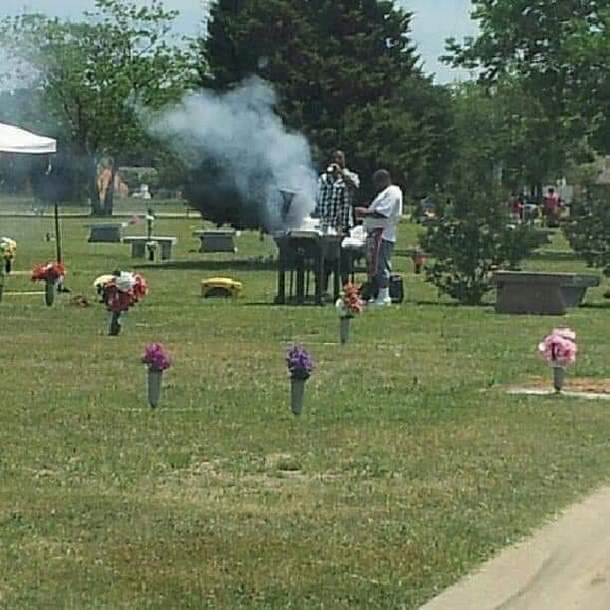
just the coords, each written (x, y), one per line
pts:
(561, 53)
(346, 73)
(560, 50)
(93, 75)
(512, 131)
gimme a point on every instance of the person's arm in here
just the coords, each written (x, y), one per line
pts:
(380, 208)
(367, 212)
(318, 209)
(351, 180)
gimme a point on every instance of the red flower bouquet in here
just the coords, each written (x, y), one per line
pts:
(50, 272)
(124, 291)
(119, 293)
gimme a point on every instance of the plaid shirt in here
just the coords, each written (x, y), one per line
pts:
(334, 203)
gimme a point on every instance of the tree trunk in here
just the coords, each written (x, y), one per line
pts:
(94, 195)
(109, 198)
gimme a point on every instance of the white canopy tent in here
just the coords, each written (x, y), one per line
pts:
(16, 140)
(19, 141)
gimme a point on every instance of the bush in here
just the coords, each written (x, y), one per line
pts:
(466, 249)
(588, 232)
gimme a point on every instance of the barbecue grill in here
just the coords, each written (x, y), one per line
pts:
(302, 253)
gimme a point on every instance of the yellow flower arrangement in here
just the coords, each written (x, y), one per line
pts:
(8, 248)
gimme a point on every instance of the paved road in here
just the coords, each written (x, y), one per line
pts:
(565, 566)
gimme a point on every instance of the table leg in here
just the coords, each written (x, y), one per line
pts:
(301, 281)
(319, 276)
(337, 277)
(281, 279)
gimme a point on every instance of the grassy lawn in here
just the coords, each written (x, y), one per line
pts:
(409, 466)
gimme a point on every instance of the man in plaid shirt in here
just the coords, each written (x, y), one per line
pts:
(336, 189)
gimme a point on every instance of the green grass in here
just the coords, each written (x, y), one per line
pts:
(22, 204)
(409, 466)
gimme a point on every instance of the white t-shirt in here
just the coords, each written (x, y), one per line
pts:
(389, 204)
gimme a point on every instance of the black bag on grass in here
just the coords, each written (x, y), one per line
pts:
(397, 289)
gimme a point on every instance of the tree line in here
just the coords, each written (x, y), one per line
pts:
(347, 74)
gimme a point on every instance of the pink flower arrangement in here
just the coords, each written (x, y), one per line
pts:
(559, 348)
(156, 357)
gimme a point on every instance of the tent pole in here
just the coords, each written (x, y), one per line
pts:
(58, 245)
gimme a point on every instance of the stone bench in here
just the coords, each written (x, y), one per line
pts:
(539, 293)
(138, 246)
(105, 233)
(220, 240)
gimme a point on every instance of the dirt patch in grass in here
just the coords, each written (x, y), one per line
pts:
(278, 471)
(573, 384)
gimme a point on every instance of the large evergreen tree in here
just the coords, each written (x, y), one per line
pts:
(346, 73)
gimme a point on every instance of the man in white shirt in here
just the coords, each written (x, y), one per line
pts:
(381, 220)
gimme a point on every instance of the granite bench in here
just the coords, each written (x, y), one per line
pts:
(540, 293)
(138, 245)
(105, 233)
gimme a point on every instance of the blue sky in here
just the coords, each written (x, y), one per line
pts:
(434, 21)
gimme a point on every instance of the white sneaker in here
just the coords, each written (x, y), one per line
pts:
(382, 300)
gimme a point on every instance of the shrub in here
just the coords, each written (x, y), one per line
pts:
(466, 248)
(588, 232)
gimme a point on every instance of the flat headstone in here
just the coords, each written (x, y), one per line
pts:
(566, 393)
(221, 240)
(105, 233)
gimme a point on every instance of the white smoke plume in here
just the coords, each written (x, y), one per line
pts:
(240, 131)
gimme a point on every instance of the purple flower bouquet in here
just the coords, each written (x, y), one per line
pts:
(157, 359)
(300, 367)
(300, 363)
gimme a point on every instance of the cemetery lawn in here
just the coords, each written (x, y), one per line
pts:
(409, 466)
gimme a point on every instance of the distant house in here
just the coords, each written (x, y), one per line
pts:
(604, 176)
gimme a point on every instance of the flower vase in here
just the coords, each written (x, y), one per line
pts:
(154, 387)
(297, 395)
(115, 324)
(2, 280)
(8, 265)
(49, 292)
(559, 377)
(344, 329)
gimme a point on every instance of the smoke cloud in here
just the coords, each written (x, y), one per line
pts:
(239, 135)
